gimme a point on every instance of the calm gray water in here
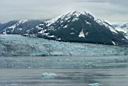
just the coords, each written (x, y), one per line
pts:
(64, 71)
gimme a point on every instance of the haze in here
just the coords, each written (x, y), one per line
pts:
(110, 10)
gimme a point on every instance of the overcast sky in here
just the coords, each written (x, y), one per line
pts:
(110, 10)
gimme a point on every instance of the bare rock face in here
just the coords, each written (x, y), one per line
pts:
(82, 27)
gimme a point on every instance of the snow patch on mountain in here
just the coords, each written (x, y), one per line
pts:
(82, 34)
(67, 16)
(65, 26)
(101, 22)
(113, 43)
(122, 28)
(75, 19)
(15, 25)
(22, 21)
(18, 23)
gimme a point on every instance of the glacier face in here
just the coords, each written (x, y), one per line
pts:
(17, 45)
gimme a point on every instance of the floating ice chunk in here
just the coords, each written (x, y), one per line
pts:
(94, 84)
(47, 75)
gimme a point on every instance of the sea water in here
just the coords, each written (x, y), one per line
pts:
(64, 71)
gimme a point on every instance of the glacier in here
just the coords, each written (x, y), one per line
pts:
(17, 45)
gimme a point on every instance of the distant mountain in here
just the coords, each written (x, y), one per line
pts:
(71, 27)
(122, 28)
(5, 25)
(21, 27)
(82, 27)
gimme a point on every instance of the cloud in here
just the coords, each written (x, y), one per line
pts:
(40, 9)
(116, 2)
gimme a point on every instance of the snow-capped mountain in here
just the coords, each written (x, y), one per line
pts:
(71, 27)
(82, 27)
(5, 25)
(122, 28)
(21, 27)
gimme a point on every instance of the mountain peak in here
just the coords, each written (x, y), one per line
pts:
(78, 26)
(71, 14)
(79, 13)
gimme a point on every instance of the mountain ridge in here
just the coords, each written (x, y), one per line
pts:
(71, 27)
(123, 28)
